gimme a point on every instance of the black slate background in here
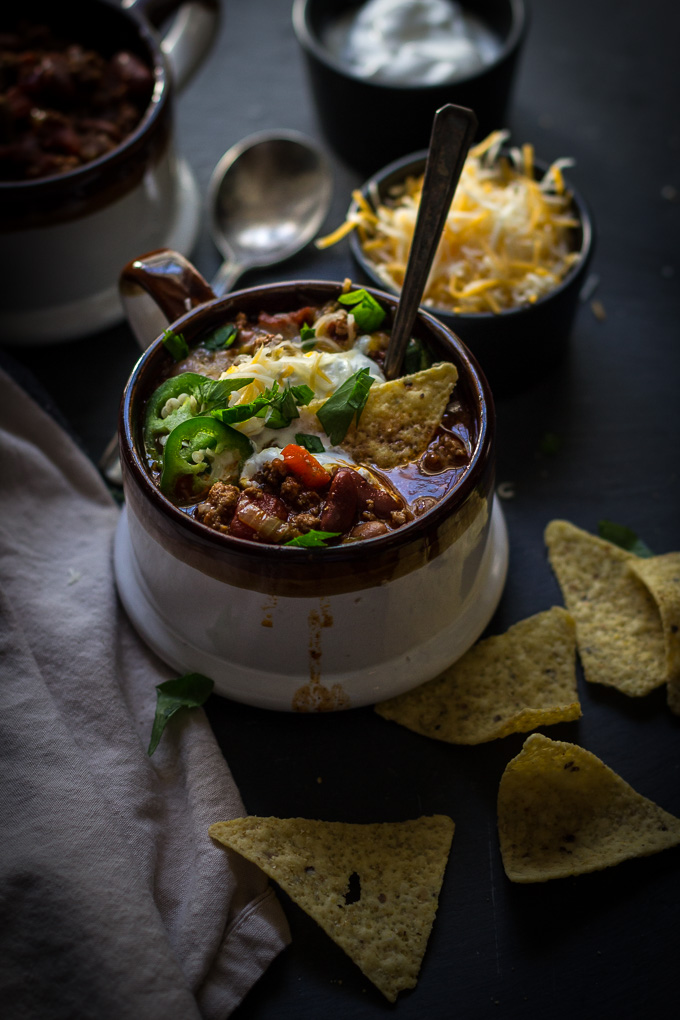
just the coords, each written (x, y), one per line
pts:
(598, 82)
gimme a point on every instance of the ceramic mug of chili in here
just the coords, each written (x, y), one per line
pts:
(64, 235)
(306, 629)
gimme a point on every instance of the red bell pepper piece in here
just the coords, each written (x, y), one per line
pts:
(305, 467)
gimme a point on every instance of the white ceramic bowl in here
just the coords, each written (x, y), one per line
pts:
(306, 629)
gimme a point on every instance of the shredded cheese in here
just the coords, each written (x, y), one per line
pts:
(506, 241)
(283, 362)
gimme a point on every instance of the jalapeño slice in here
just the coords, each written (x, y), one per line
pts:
(194, 394)
(198, 452)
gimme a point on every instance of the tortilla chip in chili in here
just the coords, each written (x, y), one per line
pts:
(400, 416)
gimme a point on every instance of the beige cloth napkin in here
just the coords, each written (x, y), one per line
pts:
(114, 902)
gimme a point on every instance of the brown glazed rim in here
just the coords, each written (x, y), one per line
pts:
(81, 182)
(300, 564)
(309, 40)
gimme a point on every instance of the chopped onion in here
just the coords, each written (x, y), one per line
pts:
(269, 527)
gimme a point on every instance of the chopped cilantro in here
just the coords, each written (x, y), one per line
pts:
(311, 443)
(189, 691)
(624, 537)
(281, 410)
(313, 539)
(368, 314)
(303, 394)
(338, 412)
(214, 392)
(175, 345)
(222, 338)
(277, 406)
(241, 412)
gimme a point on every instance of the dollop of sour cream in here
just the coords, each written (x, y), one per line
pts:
(411, 42)
(282, 363)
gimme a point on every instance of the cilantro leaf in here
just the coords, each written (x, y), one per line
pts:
(308, 337)
(368, 314)
(303, 394)
(241, 412)
(283, 406)
(313, 539)
(277, 406)
(213, 392)
(281, 410)
(222, 338)
(337, 413)
(175, 345)
(624, 537)
(189, 691)
(310, 443)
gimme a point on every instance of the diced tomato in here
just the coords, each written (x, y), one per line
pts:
(305, 467)
(291, 321)
(240, 530)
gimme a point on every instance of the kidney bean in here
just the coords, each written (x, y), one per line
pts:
(273, 506)
(50, 89)
(341, 506)
(369, 529)
(50, 81)
(135, 75)
(378, 501)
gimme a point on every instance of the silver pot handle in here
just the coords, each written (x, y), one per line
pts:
(188, 37)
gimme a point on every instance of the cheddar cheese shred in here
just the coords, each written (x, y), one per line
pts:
(507, 240)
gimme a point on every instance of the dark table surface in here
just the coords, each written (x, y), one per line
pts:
(598, 82)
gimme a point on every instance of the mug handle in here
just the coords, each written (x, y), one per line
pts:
(157, 288)
(188, 38)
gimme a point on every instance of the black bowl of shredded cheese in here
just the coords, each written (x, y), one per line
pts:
(511, 261)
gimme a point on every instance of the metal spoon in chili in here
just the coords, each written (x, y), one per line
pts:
(453, 129)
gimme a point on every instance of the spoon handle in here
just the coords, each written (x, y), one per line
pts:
(453, 129)
(226, 276)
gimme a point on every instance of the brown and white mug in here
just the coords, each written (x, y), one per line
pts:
(295, 628)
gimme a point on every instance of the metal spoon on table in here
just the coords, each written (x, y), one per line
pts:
(268, 197)
(453, 129)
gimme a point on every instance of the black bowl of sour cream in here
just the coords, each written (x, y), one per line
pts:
(379, 69)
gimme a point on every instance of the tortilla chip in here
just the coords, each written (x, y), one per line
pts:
(562, 812)
(505, 684)
(400, 416)
(372, 888)
(661, 575)
(618, 627)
